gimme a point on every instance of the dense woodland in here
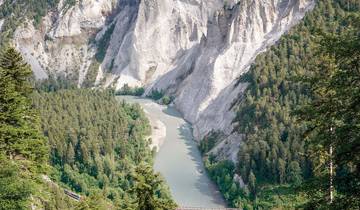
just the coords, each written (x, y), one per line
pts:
(23, 149)
(84, 140)
(276, 157)
(92, 138)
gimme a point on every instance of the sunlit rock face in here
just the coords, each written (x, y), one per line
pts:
(193, 49)
(61, 44)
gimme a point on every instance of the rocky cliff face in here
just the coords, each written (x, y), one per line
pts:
(194, 50)
(62, 43)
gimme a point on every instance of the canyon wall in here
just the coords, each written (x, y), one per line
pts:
(194, 50)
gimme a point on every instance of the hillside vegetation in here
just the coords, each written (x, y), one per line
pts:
(15, 13)
(84, 140)
(274, 158)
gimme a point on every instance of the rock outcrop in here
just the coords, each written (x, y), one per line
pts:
(62, 43)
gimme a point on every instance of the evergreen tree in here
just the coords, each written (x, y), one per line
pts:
(15, 189)
(23, 149)
(147, 188)
(333, 119)
(20, 135)
(94, 202)
(273, 145)
(294, 173)
(94, 141)
(252, 183)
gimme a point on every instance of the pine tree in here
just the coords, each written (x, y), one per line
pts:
(20, 135)
(252, 183)
(333, 119)
(149, 195)
(23, 149)
(15, 189)
(294, 173)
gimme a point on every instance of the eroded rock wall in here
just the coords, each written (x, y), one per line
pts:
(61, 44)
(196, 49)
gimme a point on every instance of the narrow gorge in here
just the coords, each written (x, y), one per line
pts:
(221, 81)
(192, 50)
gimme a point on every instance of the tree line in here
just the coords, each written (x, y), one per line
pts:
(84, 140)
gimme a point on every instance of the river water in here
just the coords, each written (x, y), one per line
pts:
(179, 160)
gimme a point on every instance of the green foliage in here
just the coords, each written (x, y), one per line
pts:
(132, 91)
(95, 135)
(52, 84)
(149, 191)
(255, 195)
(20, 135)
(103, 44)
(23, 149)
(94, 202)
(91, 75)
(273, 147)
(279, 197)
(333, 118)
(166, 100)
(53, 197)
(15, 13)
(96, 142)
(273, 152)
(209, 142)
(222, 173)
(159, 95)
(70, 3)
(156, 94)
(15, 190)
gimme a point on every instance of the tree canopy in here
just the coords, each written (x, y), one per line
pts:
(23, 149)
(333, 119)
(84, 140)
(274, 156)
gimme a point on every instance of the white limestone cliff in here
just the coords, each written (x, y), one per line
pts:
(61, 44)
(194, 50)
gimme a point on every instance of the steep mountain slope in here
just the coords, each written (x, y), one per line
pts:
(274, 157)
(192, 49)
(60, 44)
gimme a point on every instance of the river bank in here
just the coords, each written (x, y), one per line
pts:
(178, 158)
